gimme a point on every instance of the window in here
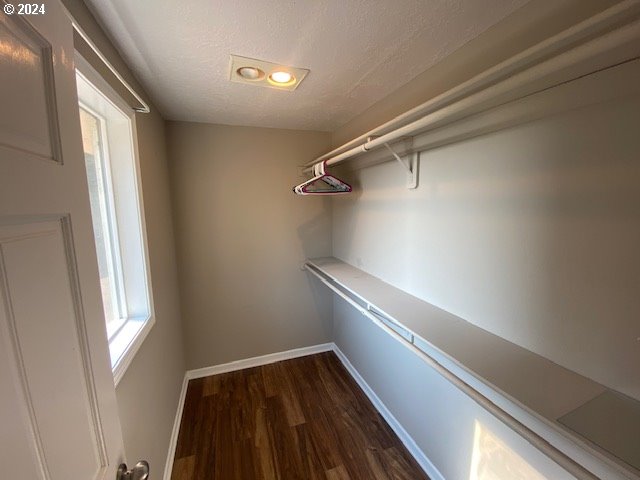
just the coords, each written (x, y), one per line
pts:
(104, 226)
(109, 143)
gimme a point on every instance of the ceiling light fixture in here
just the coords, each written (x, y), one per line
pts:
(250, 73)
(261, 73)
(281, 77)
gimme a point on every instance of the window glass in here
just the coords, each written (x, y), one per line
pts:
(103, 223)
(110, 154)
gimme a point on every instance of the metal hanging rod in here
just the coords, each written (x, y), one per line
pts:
(145, 107)
(526, 71)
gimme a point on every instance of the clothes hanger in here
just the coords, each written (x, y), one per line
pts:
(322, 183)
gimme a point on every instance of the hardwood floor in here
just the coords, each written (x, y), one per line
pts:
(298, 419)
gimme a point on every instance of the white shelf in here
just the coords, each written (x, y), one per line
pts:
(509, 373)
(530, 379)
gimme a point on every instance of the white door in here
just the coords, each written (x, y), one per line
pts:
(58, 411)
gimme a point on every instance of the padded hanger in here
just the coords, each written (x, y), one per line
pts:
(322, 183)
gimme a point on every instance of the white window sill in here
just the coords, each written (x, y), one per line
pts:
(124, 346)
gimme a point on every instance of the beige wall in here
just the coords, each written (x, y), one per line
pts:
(520, 257)
(520, 231)
(148, 393)
(530, 233)
(242, 236)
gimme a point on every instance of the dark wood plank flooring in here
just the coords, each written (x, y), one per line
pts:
(298, 419)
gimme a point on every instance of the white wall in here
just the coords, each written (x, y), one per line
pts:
(242, 237)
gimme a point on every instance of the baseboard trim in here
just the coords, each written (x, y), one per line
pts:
(173, 441)
(424, 462)
(405, 438)
(258, 361)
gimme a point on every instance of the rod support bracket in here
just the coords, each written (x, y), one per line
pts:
(411, 166)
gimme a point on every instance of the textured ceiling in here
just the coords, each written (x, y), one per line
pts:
(358, 52)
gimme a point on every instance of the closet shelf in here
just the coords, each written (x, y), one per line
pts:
(519, 382)
(543, 387)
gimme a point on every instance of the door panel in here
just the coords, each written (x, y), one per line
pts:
(27, 90)
(19, 457)
(58, 407)
(38, 315)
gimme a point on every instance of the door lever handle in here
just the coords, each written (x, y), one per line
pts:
(139, 472)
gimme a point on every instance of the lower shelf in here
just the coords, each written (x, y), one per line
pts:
(497, 373)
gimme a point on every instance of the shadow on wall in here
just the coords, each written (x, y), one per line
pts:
(315, 227)
(308, 233)
(322, 302)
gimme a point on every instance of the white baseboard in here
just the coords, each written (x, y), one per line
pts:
(257, 361)
(406, 439)
(424, 462)
(173, 441)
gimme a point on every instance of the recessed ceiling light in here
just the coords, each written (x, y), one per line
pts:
(282, 78)
(261, 73)
(251, 73)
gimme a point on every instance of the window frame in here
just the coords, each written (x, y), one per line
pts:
(129, 335)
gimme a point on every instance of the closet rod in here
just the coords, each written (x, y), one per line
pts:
(558, 456)
(517, 71)
(145, 107)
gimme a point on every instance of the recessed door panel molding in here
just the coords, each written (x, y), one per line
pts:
(27, 91)
(23, 457)
(50, 369)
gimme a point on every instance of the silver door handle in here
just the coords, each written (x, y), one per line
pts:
(139, 472)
